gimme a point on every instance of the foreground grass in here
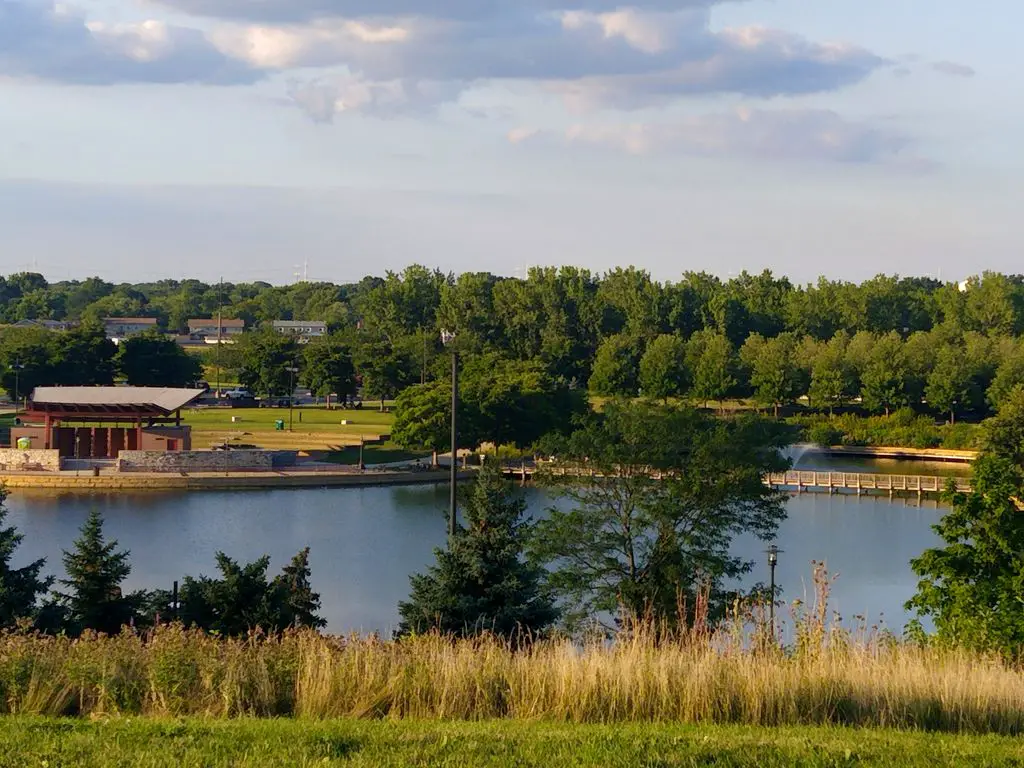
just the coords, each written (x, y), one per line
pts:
(252, 743)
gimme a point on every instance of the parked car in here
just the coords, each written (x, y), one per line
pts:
(238, 394)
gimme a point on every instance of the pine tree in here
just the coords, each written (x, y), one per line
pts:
(299, 603)
(481, 582)
(95, 572)
(20, 588)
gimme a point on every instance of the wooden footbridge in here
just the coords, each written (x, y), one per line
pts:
(799, 481)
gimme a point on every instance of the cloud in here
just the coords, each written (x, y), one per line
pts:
(325, 98)
(519, 135)
(794, 134)
(50, 41)
(953, 69)
(277, 11)
(623, 59)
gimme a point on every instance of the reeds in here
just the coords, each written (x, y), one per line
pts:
(737, 673)
(643, 677)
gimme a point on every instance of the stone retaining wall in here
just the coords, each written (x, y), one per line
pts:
(33, 459)
(196, 461)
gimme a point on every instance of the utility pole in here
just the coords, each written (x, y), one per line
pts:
(292, 370)
(220, 324)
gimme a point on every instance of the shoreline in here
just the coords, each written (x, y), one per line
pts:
(219, 481)
(891, 452)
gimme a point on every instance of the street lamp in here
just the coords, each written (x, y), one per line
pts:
(292, 370)
(773, 560)
(448, 339)
(17, 367)
(362, 443)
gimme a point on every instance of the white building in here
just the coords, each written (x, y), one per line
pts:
(118, 328)
(304, 330)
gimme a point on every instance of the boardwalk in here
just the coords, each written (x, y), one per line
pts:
(822, 482)
(833, 482)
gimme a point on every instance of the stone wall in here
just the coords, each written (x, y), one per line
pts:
(32, 459)
(195, 461)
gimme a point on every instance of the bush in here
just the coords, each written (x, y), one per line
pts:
(824, 434)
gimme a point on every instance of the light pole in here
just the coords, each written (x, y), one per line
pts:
(448, 338)
(362, 442)
(292, 370)
(773, 560)
(17, 367)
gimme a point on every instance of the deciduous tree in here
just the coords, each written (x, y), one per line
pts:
(656, 495)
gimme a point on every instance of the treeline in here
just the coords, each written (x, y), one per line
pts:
(882, 344)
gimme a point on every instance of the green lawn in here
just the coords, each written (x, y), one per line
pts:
(314, 419)
(385, 744)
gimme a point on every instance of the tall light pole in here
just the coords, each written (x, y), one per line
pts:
(448, 338)
(292, 370)
(773, 560)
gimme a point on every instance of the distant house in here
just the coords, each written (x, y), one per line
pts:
(209, 330)
(49, 325)
(303, 330)
(122, 327)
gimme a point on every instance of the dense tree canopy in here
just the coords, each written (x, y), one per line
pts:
(610, 333)
(153, 360)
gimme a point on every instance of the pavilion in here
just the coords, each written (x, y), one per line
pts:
(100, 422)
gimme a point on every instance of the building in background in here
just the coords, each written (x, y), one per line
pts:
(303, 330)
(122, 327)
(208, 330)
(49, 325)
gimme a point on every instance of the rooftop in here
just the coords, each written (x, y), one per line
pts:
(227, 322)
(295, 323)
(161, 400)
(130, 320)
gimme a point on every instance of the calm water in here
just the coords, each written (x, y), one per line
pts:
(365, 542)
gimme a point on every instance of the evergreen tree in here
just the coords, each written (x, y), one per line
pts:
(298, 601)
(481, 583)
(20, 588)
(96, 569)
(244, 599)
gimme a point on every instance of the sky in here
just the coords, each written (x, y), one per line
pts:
(276, 140)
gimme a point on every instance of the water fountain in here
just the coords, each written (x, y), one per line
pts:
(797, 451)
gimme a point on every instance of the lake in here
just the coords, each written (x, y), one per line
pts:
(366, 541)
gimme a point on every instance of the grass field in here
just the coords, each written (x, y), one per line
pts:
(313, 428)
(194, 743)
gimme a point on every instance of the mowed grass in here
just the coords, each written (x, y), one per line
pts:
(195, 743)
(313, 428)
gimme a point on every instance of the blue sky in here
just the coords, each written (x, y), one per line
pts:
(142, 139)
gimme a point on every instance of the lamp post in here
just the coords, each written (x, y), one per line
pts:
(773, 560)
(175, 604)
(292, 370)
(362, 442)
(448, 339)
(17, 367)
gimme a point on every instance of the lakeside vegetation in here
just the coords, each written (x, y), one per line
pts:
(829, 677)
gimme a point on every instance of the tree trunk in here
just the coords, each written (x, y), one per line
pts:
(952, 417)
(433, 459)
(382, 404)
(775, 406)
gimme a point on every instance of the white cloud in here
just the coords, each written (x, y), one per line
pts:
(325, 98)
(521, 134)
(818, 135)
(52, 41)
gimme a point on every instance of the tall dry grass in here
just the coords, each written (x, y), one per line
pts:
(826, 676)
